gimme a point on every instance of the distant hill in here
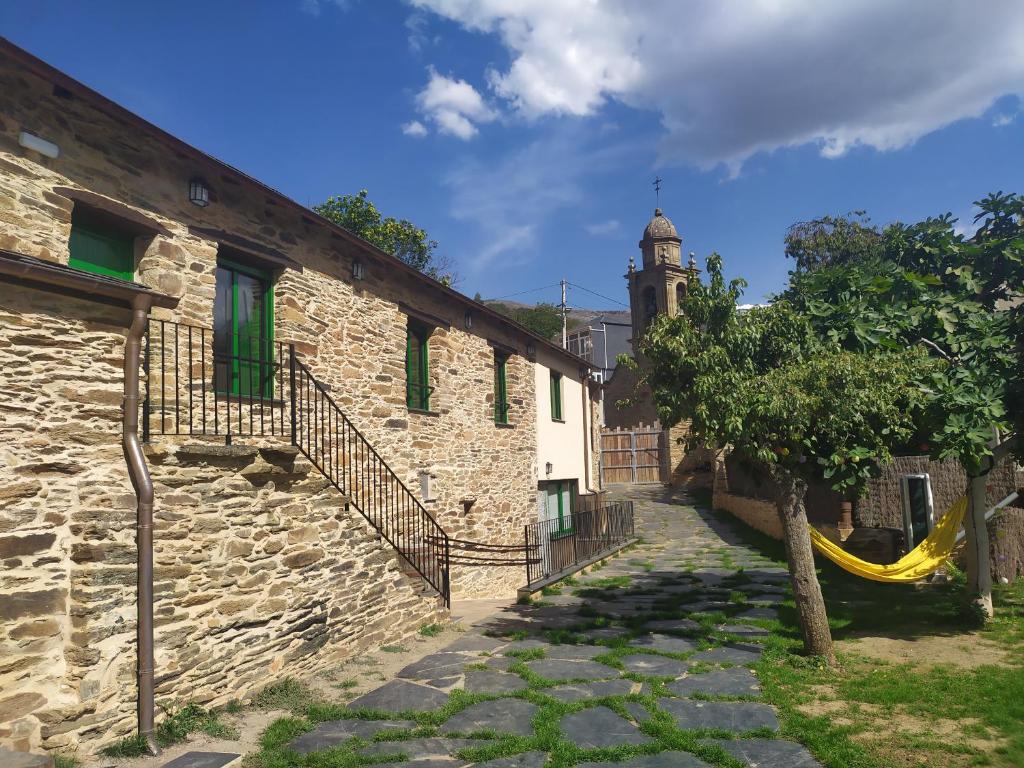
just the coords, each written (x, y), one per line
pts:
(545, 319)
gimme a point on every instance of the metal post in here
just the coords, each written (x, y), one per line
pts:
(291, 398)
(447, 573)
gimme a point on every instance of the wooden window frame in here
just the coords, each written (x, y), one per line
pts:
(265, 367)
(556, 396)
(87, 224)
(417, 382)
(501, 404)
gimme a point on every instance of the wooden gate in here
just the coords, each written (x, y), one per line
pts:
(636, 455)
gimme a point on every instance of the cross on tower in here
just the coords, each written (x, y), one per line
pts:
(657, 190)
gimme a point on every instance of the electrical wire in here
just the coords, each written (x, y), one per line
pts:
(600, 296)
(523, 293)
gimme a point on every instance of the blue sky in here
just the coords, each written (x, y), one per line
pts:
(524, 136)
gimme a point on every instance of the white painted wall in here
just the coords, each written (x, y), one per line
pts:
(562, 443)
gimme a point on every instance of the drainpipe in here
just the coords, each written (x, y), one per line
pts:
(143, 484)
(584, 381)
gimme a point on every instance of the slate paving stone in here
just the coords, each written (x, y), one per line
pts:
(637, 711)
(419, 749)
(672, 625)
(400, 696)
(501, 662)
(579, 691)
(730, 653)
(560, 669)
(501, 715)
(487, 681)
(605, 633)
(653, 666)
(664, 643)
(444, 682)
(767, 599)
(756, 588)
(660, 760)
(522, 760)
(431, 762)
(735, 681)
(744, 630)
(600, 727)
(335, 732)
(478, 643)
(437, 665)
(768, 753)
(530, 644)
(769, 614)
(706, 606)
(735, 716)
(188, 760)
(574, 652)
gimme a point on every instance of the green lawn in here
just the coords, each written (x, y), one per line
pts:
(958, 700)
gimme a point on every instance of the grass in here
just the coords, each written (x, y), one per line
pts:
(173, 729)
(873, 713)
(431, 630)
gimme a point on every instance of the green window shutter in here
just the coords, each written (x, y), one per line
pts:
(243, 331)
(417, 367)
(556, 396)
(500, 388)
(100, 249)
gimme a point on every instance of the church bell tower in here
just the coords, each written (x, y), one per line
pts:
(661, 282)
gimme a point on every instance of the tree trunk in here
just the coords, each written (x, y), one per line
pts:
(979, 567)
(810, 605)
(979, 570)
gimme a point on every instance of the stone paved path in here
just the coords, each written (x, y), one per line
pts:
(642, 663)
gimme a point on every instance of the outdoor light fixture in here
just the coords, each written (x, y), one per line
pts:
(468, 319)
(531, 350)
(36, 144)
(198, 193)
(358, 270)
(549, 468)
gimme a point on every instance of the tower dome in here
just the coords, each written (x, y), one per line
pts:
(659, 226)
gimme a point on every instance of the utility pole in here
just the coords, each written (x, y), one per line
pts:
(565, 314)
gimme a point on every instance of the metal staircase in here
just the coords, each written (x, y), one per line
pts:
(252, 387)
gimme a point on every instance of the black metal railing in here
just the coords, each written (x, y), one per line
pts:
(202, 383)
(560, 544)
(199, 382)
(332, 443)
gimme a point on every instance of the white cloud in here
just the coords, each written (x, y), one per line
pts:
(603, 227)
(416, 25)
(454, 106)
(733, 79)
(414, 128)
(507, 200)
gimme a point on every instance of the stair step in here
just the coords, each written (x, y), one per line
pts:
(10, 759)
(204, 760)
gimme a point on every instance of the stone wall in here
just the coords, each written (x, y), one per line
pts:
(623, 387)
(259, 570)
(757, 513)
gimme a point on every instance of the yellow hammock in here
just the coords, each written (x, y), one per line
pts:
(921, 561)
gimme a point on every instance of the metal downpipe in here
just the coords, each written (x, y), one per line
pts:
(143, 484)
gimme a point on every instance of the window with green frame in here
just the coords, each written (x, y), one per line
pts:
(99, 247)
(556, 396)
(243, 330)
(500, 388)
(559, 498)
(417, 366)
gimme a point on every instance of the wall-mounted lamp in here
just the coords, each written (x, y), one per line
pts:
(531, 350)
(36, 144)
(549, 468)
(198, 193)
(358, 269)
(467, 319)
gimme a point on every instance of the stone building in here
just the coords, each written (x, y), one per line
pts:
(657, 287)
(319, 424)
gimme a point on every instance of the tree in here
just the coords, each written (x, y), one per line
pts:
(763, 383)
(934, 289)
(399, 237)
(833, 240)
(543, 319)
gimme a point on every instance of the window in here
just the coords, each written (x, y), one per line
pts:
(500, 388)
(558, 506)
(650, 304)
(100, 247)
(556, 396)
(243, 331)
(680, 297)
(417, 367)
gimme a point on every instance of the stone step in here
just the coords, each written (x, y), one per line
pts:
(9, 759)
(205, 760)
